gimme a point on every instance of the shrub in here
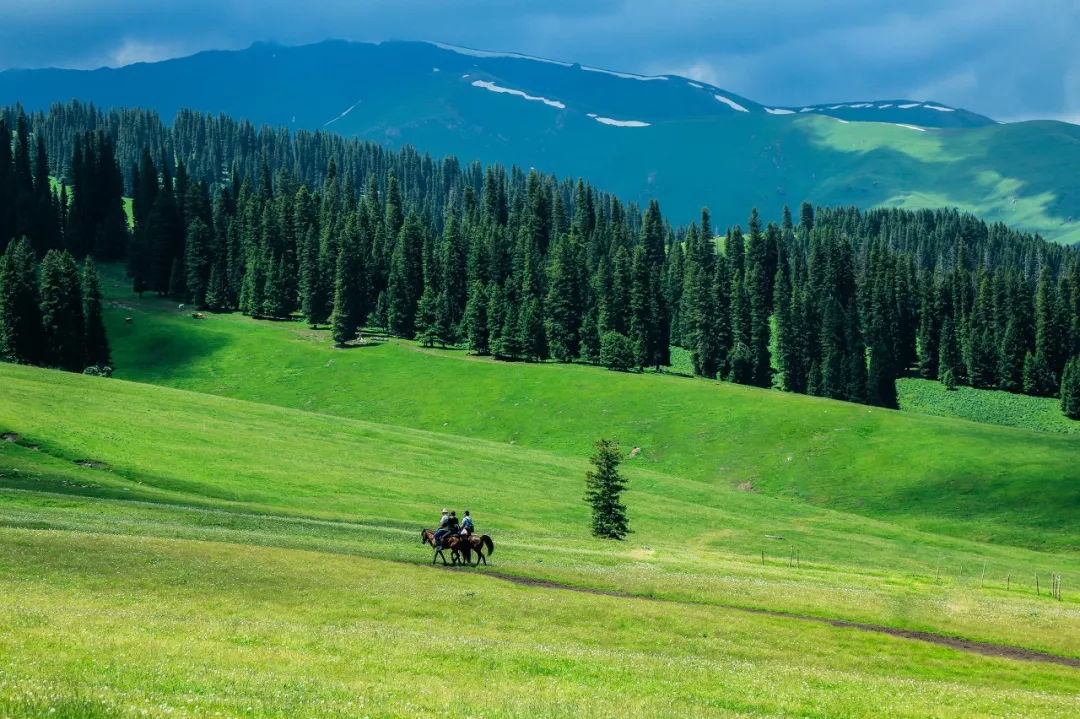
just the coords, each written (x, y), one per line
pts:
(616, 352)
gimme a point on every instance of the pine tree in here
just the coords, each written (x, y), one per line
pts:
(949, 357)
(1070, 389)
(62, 312)
(476, 320)
(427, 329)
(177, 277)
(20, 313)
(345, 318)
(445, 329)
(564, 303)
(603, 490)
(533, 336)
(590, 338)
(97, 353)
(1012, 365)
(508, 344)
(197, 261)
(1038, 378)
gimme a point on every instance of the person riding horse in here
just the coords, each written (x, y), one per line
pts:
(466, 525)
(443, 529)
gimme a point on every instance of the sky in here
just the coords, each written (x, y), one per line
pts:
(1010, 59)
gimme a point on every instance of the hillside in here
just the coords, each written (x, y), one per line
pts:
(666, 137)
(988, 483)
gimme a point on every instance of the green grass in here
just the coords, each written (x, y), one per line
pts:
(692, 541)
(244, 540)
(987, 483)
(979, 405)
(102, 627)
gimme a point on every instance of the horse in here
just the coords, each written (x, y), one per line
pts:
(450, 541)
(477, 543)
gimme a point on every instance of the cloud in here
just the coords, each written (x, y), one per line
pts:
(1000, 57)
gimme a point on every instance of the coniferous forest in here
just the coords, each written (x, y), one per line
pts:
(518, 265)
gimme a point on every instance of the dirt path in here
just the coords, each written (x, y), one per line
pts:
(964, 645)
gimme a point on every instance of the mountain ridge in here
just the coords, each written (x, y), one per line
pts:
(685, 142)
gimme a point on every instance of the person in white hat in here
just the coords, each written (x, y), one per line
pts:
(444, 527)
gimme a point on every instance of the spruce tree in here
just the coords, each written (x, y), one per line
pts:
(345, 320)
(590, 338)
(477, 330)
(62, 312)
(445, 329)
(533, 336)
(1038, 379)
(1070, 389)
(564, 303)
(603, 491)
(20, 312)
(96, 342)
(427, 329)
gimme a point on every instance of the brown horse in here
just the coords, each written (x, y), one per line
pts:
(451, 541)
(477, 543)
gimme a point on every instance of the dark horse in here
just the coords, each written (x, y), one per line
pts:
(477, 544)
(451, 541)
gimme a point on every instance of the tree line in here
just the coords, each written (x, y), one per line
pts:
(524, 266)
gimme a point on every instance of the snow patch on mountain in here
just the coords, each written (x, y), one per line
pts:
(731, 103)
(621, 123)
(938, 108)
(485, 53)
(496, 88)
(624, 75)
(910, 127)
(779, 111)
(350, 109)
(910, 105)
(886, 105)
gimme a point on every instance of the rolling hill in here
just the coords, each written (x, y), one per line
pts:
(684, 142)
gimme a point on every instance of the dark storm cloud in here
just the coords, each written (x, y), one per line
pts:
(1007, 58)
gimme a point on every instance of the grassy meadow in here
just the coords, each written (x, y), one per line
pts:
(230, 528)
(934, 474)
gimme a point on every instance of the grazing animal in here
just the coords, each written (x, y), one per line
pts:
(198, 316)
(181, 308)
(477, 543)
(451, 541)
(129, 320)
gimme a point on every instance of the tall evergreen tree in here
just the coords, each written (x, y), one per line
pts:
(62, 312)
(20, 313)
(603, 491)
(1070, 389)
(97, 352)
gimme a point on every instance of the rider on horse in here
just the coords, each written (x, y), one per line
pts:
(443, 529)
(466, 525)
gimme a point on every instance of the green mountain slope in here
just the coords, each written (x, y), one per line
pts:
(686, 143)
(989, 483)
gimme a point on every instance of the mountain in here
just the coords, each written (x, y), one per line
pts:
(686, 142)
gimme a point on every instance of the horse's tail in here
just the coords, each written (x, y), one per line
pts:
(489, 544)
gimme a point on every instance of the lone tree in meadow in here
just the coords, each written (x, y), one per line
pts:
(603, 487)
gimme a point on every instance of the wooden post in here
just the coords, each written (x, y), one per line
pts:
(1008, 583)
(763, 557)
(961, 571)
(982, 579)
(1037, 592)
(937, 574)
(791, 555)
(797, 565)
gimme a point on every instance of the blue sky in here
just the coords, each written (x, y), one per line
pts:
(1012, 59)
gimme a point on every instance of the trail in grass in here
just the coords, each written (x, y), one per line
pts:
(959, 643)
